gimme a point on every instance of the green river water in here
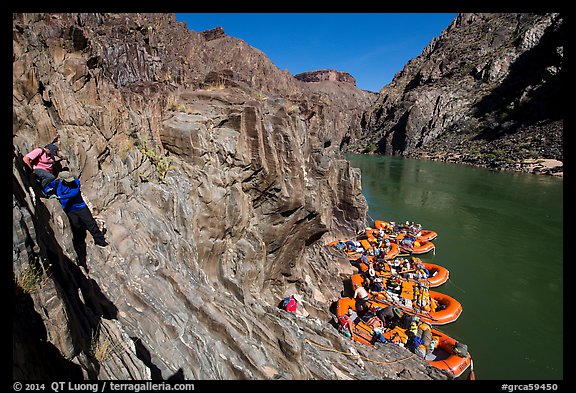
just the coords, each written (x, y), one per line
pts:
(500, 235)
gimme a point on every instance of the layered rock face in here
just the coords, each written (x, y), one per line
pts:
(216, 177)
(326, 75)
(487, 92)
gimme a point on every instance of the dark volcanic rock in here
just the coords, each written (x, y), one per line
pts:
(487, 91)
(212, 34)
(326, 75)
(218, 180)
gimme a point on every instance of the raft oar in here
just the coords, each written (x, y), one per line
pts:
(396, 256)
(387, 275)
(394, 304)
(472, 377)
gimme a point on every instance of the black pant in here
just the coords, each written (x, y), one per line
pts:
(82, 220)
(44, 177)
(361, 305)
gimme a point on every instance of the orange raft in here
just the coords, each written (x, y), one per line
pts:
(367, 245)
(436, 275)
(362, 332)
(417, 247)
(363, 245)
(432, 307)
(442, 356)
(424, 235)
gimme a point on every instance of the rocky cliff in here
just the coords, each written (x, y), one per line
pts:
(326, 75)
(217, 179)
(487, 91)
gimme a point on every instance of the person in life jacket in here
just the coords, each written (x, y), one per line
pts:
(395, 265)
(380, 265)
(42, 161)
(389, 227)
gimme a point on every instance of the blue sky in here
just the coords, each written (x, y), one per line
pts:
(372, 47)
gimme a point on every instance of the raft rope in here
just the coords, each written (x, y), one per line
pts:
(358, 355)
(329, 252)
(370, 217)
(451, 282)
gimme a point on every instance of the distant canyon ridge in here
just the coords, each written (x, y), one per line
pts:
(219, 177)
(488, 92)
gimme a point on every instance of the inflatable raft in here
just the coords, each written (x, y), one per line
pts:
(437, 275)
(443, 355)
(359, 247)
(392, 252)
(423, 235)
(361, 332)
(433, 275)
(408, 242)
(432, 307)
(413, 247)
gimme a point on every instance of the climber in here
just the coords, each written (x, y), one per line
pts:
(67, 189)
(42, 163)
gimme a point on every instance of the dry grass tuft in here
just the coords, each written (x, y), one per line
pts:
(102, 346)
(30, 279)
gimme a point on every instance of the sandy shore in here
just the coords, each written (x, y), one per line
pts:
(544, 165)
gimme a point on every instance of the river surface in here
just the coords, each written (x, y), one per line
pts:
(500, 234)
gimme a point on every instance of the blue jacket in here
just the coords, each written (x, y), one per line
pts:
(69, 194)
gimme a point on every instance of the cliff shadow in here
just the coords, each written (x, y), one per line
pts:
(84, 313)
(33, 356)
(333, 321)
(398, 141)
(177, 376)
(347, 289)
(143, 354)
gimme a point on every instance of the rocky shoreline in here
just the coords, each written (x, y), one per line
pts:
(536, 166)
(536, 150)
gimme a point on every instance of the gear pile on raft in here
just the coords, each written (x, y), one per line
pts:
(393, 302)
